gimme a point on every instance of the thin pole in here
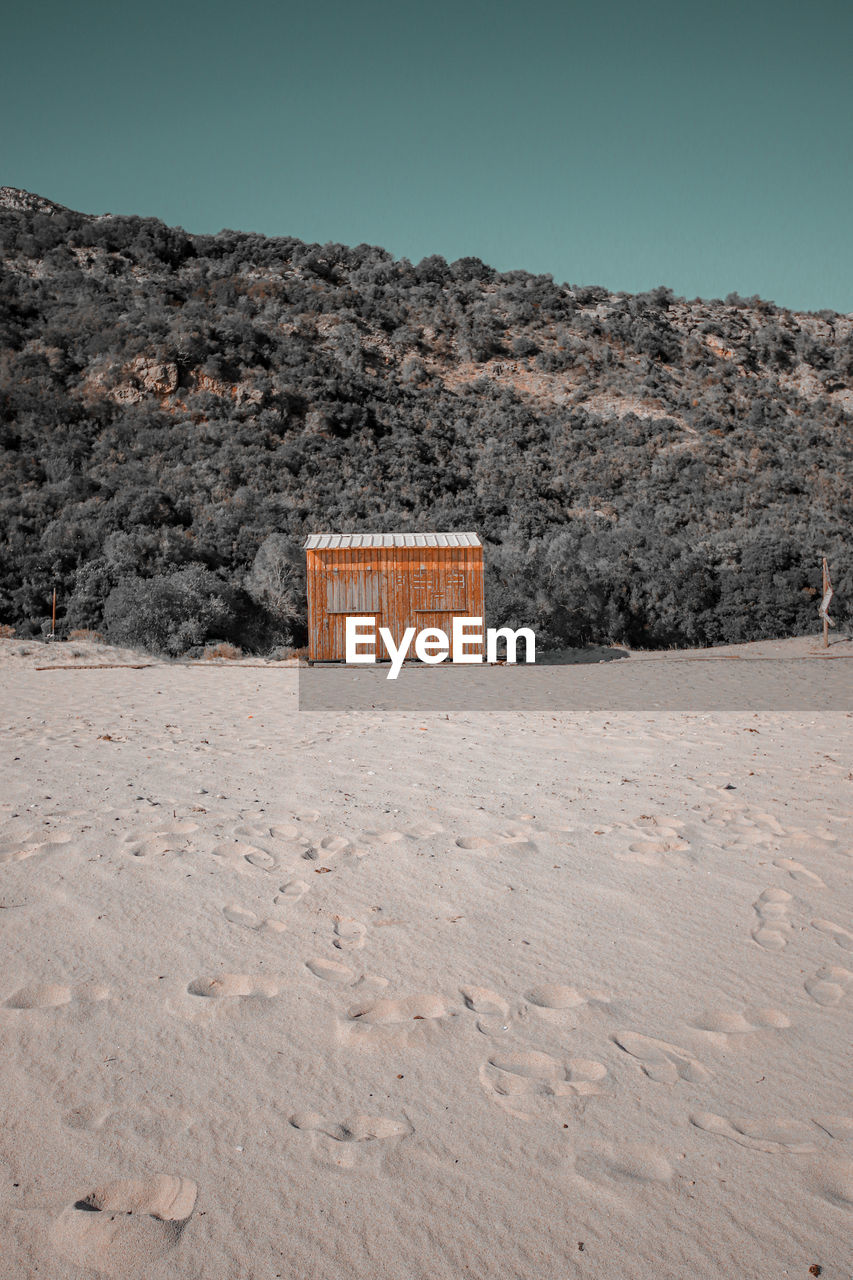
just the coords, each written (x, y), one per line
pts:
(825, 602)
(53, 616)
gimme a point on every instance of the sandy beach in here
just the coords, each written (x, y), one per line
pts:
(421, 995)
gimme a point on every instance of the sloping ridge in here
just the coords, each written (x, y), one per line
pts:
(16, 200)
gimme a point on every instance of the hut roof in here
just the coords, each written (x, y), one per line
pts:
(342, 541)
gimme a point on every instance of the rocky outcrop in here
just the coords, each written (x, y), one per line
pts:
(17, 200)
(160, 378)
(143, 377)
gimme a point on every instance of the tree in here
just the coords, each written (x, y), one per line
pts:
(171, 613)
(276, 581)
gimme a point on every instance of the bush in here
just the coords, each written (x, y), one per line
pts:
(230, 652)
(168, 436)
(524, 346)
(276, 585)
(170, 613)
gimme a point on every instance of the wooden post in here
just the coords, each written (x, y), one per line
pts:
(826, 599)
(53, 617)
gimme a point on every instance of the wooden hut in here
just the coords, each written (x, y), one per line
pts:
(402, 580)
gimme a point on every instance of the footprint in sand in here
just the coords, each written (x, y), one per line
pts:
(842, 937)
(514, 1078)
(383, 837)
(742, 830)
(328, 847)
(249, 831)
(519, 840)
(156, 843)
(663, 1062)
(655, 853)
(724, 1023)
(483, 1000)
(284, 831)
(349, 934)
(157, 1123)
(262, 858)
(764, 820)
(424, 830)
(550, 995)
(241, 856)
(626, 1165)
(341, 975)
(228, 985)
(756, 828)
(88, 1118)
(29, 846)
(797, 871)
(333, 971)
(771, 930)
(47, 995)
(248, 920)
(306, 815)
(776, 1137)
(659, 825)
(400, 1021)
(385, 1013)
(54, 995)
(353, 1129)
(661, 843)
(278, 831)
(753, 835)
(818, 839)
(553, 1001)
(342, 1144)
(291, 891)
(828, 986)
(494, 1011)
(518, 837)
(126, 1224)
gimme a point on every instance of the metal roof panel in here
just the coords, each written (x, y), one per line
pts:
(340, 541)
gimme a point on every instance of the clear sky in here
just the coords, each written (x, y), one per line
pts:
(704, 145)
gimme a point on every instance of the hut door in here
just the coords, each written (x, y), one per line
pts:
(439, 595)
(443, 620)
(351, 591)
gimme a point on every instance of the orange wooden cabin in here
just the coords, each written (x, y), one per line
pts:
(401, 579)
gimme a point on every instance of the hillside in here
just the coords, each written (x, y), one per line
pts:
(177, 411)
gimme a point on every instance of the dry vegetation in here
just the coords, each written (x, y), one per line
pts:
(177, 412)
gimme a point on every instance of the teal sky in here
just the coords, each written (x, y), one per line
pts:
(705, 146)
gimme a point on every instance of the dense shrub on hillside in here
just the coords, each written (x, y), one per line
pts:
(177, 412)
(170, 612)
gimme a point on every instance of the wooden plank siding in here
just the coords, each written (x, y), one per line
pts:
(398, 586)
